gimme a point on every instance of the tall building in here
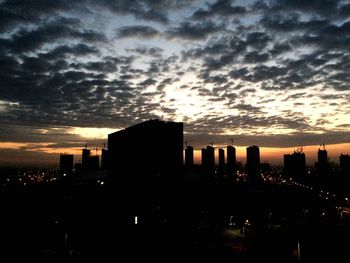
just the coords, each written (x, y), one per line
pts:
(66, 164)
(146, 151)
(322, 156)
(231, 162)
(104, 159)
(85, 159)
(345, 165)
(322, 166)
(189, 156)
(253, 163)
(203, 157)
(294, 165)
(210, 160)
(221, 167)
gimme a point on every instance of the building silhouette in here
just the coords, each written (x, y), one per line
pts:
(189, 157)
(344, 161)
(294, 165)
(231, 162)
(145, 151)
(104, 159)
(66, 164)
(85, 159)
(210, 160)
(322, 165)
(253, 163)
(221, 167)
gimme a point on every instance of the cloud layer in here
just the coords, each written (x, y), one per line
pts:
(274, 73)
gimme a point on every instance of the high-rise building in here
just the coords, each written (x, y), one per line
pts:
(85, 159)
(221, 167)
(322, 156)
(189, 157)
(104, 159)
(345, 165)
(66, 164)
(294, 165)
(322, 166)
(146, 151)
(210, 160)
(253, 163)
(231, 162)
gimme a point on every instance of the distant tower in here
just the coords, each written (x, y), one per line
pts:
(253, 163)
(322, 166)
(85, 159)
(189, 156)
(210, 160)
(204, 157)
(66, 164)
(221, 170)
(231, 162)
(322, 156)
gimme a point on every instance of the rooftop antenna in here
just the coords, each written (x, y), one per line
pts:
(323, 146)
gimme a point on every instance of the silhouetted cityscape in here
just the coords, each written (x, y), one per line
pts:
(147, 197)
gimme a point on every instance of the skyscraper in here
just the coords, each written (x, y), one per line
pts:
(148, 150)
(203, 157)
(85, 159)
(231, 162)
(295, 165)
(221, 167)
(253, 163)
(210, 160)
(66, 164)
(322, 166)
(189, 157)
(104, 159)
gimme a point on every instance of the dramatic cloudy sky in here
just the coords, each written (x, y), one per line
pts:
(273, 73)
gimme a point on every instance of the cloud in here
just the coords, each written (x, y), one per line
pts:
(59, 28)
(194, 31)
(220, 8)
(137, 31)
(268, 68)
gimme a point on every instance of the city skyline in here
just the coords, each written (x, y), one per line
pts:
(270, 73)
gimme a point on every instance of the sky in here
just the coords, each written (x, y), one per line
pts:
(272, 73)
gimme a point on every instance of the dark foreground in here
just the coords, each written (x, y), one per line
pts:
(220, 221)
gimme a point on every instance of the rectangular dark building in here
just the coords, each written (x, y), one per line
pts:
(322, 166)
(294, 165)
(104, 159)
(66, 164)
(189, 156)
(85, 159)
(210, 160)
(148, 150)
(221, 167)
(231, 162)
(253, 163)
